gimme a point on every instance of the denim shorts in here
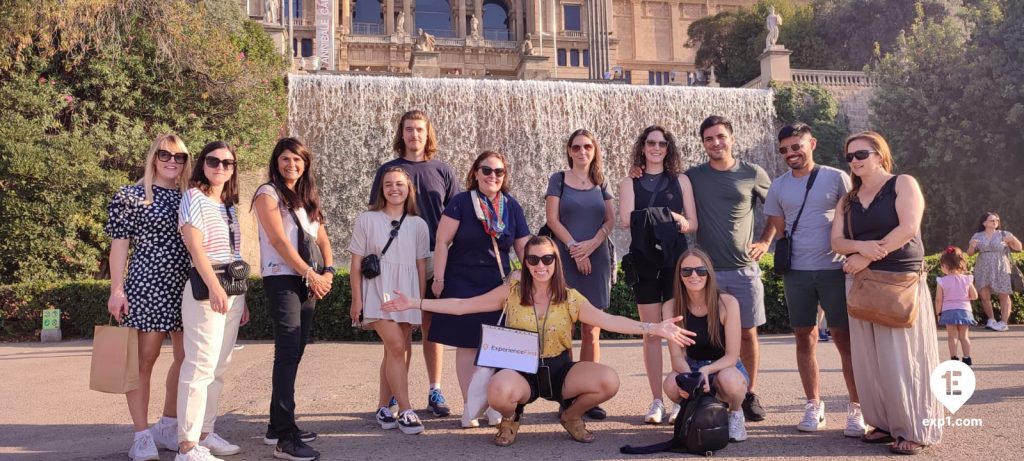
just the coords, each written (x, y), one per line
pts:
(957, 317)
(696, 365)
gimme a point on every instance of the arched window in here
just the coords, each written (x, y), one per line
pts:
(496, 21)
(368, 18)
(435, 18)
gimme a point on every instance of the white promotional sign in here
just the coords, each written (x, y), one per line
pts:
(508, 348)
(953, 382)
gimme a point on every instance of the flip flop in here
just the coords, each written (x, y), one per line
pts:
(914, 449)
(877, 440)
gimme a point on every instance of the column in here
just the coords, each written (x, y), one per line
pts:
(346, 17)
(678, 33)
(518, 34)
(460, 21)
(478, 10)
(409, 20)
(389, 17)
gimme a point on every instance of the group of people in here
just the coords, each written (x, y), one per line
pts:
(433, 252)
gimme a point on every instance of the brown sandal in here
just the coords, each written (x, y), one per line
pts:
(884, 438)
(507, 431)
(577, 429)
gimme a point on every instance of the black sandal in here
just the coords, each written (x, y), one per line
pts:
(878, 440)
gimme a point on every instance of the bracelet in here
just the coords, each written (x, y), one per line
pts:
(305, 275)
(645, 328)
(571, 243)
(438, 281)
(421, 304)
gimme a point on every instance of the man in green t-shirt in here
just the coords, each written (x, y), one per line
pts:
(726, 190)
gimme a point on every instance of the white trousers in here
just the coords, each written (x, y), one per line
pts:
(209, 339)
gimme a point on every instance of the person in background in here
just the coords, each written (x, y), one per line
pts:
(954, 292)
(143, 223)
(992, 268)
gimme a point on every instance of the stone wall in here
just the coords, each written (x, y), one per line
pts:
(852, 90)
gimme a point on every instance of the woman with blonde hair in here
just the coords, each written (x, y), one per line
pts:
(878, 228)
(143, 222)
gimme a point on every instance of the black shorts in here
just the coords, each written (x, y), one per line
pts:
(655, 289)
(560, 366)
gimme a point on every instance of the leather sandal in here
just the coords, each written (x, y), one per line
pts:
(886, 438)
(908, 447)
(577, 429)
(508, 428)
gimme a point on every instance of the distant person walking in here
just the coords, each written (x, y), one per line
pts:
(992, 268)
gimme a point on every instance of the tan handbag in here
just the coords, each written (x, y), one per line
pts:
(885, 298)
(115, 359)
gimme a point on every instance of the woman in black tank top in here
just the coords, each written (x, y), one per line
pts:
(661, 187)
(879, 227)
(715, 317)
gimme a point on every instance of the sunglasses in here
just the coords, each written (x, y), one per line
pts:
(395, 226)
(661, 144)
(582, 147)
(487, 171)
(688, 271)
(534, 260)
(214, 162)
(795, 148)
(167, 156)
(859, 155)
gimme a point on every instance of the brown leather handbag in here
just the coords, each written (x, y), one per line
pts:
(884, 298)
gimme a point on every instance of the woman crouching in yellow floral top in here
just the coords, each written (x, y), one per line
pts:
(542, 298)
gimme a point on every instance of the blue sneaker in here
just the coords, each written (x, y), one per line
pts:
(437, 404)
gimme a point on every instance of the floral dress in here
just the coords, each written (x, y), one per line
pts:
(992, 268)
(158, 263)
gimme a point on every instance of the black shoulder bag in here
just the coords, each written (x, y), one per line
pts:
(784, 246)
(371, 263)
(307, 248)
(232, 276)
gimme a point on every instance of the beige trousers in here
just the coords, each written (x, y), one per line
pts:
(209, 340)
(892, 368)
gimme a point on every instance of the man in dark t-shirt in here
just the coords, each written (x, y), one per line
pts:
(415, 144)
(726, 190)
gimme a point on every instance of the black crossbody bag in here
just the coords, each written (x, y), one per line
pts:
(307, 248)
(371, 263)
(784, 245)
(234, 276)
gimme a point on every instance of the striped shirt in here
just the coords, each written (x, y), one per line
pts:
(210, 218)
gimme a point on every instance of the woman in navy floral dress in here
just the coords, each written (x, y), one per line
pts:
(144, 222)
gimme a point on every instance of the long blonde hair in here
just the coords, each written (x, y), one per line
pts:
(173, 144)
(711, 297)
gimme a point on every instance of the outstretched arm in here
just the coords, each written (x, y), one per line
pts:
(666, 329)
(488, 302)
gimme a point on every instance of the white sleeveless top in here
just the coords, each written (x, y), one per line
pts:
(271, 263)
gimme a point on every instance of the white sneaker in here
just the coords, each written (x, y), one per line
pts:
(655, 413)
(854, 421)
(143, 448)
(991, 324)
(165, 434)
(814, 417)
(218, 446)
(672, 415)
(493, 417)
(197, 453)
(1001, 326)
(409, 423)
(737, 432)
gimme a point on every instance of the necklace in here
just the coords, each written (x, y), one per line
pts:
(583, 181)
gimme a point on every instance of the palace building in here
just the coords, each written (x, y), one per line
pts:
(629, 41)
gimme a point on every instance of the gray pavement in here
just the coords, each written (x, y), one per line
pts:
(48, 412)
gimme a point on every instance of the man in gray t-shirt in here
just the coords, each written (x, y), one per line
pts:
(726, 190)
(815, 276)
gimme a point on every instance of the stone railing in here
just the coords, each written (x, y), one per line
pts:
(367, 28)
(832, 78)
(574, 34)
(368, 39)
(755, 83)
(500, 44)
(450, 41)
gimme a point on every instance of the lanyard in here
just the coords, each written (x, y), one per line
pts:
(540, 330)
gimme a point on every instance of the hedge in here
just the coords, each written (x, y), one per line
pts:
(83, 305)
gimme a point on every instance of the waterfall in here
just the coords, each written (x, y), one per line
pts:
(349, 123)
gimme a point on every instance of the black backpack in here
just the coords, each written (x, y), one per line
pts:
(701, 428)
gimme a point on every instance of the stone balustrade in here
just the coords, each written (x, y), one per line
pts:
(574, 34)
(832, 78)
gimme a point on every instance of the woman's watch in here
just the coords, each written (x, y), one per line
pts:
(331, 270)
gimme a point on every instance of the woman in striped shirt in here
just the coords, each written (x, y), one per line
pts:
(208, 222)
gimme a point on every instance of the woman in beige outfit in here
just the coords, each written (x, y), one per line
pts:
(891, 366)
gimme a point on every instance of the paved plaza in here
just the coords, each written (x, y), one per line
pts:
(48, 412)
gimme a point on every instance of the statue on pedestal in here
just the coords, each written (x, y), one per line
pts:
(424, 41)
(400, 24)
(270, 11)
(774, 22)
(526, 48)
(474, 26)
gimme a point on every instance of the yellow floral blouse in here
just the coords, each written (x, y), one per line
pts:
(558, 332)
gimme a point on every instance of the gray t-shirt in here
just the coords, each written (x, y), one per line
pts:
(725, 211)
(811, 244)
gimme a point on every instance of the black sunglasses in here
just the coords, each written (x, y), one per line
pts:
(214, 162)
(487, 171)
(859, 155)
(533, 260)
(166, 156)
(661, 144)
(798, 147)
(688, 271)
(395, 226)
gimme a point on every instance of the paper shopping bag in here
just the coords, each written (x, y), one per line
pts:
(115, 359)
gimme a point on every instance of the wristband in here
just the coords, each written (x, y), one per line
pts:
(421, 304)
(331, 270)
(438, 281)
(305, 274)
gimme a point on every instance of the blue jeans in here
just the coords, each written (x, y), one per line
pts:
(696, 365)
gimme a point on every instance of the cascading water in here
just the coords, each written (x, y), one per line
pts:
(349, 122)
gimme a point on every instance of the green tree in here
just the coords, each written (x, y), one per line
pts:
(950, 100)
(815, 106)
(85, 88)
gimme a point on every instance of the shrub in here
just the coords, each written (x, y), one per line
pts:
(83, 305)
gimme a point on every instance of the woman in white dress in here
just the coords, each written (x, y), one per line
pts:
(392, 232)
